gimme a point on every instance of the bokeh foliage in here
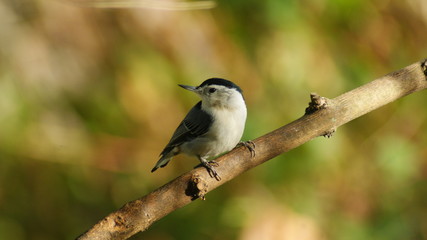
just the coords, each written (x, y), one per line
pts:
(88, 98)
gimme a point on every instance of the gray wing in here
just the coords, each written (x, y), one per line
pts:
(196, 123)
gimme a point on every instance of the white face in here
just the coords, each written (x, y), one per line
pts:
(218, 96)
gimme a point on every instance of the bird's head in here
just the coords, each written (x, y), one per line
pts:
(218, 93)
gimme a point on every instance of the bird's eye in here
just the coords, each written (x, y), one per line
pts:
(212, 90)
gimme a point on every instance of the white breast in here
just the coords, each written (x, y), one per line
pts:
(227, 128)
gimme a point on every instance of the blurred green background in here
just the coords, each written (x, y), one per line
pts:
(89, 98)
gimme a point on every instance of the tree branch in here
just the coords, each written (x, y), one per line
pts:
(322, 117)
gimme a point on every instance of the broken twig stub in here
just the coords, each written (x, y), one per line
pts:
(317, 103)
(197, 187)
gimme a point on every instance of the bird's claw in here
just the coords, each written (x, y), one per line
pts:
(249, 145)
(209, 166)
(213, 163)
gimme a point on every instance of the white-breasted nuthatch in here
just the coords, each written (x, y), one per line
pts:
(213, 126)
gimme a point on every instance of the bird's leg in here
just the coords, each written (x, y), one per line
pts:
(249, 145)
(209, 166)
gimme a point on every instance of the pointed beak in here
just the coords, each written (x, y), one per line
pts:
(190, 88)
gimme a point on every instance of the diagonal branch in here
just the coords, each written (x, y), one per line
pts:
(322, 117)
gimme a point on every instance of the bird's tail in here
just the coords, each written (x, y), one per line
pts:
(165, 157)
(163, 161)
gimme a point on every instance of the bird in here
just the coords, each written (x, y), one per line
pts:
(213, 126)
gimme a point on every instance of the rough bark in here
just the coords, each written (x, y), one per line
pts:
(322, 118)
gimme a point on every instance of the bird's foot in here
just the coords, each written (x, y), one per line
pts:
(249, 145)
(209, 166)
(213, 163)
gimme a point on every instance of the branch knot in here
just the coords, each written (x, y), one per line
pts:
(317, 103)
(197, 187)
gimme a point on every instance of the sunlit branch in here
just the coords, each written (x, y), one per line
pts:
(322, 118)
